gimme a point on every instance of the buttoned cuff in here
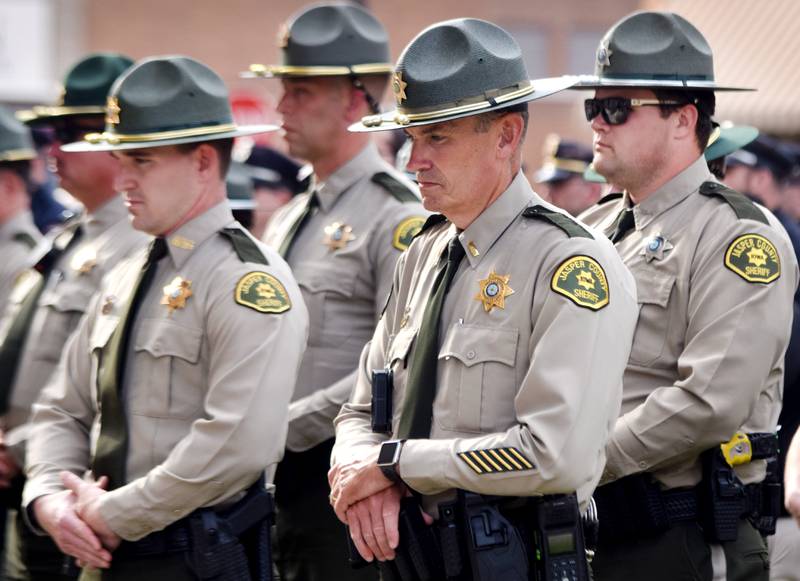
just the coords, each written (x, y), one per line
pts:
(423, 465)
(625, 453)
(128, 515)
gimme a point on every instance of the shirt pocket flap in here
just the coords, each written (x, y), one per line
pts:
(163, 338)
(654, 288)
(401, 344)
(316, 278)
(101, 331)
(473, 344)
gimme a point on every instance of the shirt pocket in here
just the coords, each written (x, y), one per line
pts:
(653, 290)
(167, 380)
(476, 368)
(61, 308)
(328, 294)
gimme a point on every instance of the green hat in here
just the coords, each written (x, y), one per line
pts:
(654, 49)
(459, 68)
(723, 141)
(331, 39)
(16, 142)
(166, 101)
(239, 185)
(85, 88)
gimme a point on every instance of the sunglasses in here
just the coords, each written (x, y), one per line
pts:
(615, 110)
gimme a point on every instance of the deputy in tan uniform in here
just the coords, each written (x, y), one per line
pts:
(715, 277)
(508, 383)
(342, 240)
(50, 299)
(18, 233)
(175, 387)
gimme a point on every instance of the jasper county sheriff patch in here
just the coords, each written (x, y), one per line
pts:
(262, 292)
(754, 258)
(405, 232)
(582, 280)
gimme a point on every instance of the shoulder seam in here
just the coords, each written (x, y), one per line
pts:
(570, 227)
(395, 187)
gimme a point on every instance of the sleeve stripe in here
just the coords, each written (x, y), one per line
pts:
(495, 460)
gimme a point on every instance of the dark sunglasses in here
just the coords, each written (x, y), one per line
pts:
(615, 110)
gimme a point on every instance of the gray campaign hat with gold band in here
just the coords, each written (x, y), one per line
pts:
(331, 39)
(459, 68)
(166, 101)
(16, 143)
(85, 88)
(654, 49)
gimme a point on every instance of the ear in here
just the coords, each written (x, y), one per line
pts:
(685, 121)
(510, 129)
(356, 104)
(206, 161)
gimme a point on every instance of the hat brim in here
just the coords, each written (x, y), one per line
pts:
(591, 175)
(588, 82)
(547, 175)
(402, 120)
(44, 113)
(730, 140)
(257, 71)
(168, 139)
(23, 154)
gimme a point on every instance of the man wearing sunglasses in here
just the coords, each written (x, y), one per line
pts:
(50, 299)
(715, 279)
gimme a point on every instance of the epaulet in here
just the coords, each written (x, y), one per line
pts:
(395, 187)
(432, 221)
(26, 239)
(567, 224)
(743, 207)
(246, 249)
(609, 197)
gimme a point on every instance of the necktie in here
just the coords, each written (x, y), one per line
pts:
(11, 349)
(622, 225)
(415, 420)
(112, 444)
(302, 220)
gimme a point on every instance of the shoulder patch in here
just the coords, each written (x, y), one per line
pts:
(395, 187)
(743, 207)
(246, 249)
(26, 239)
(262, 292)
(406, 231)
(583, 281)
(754, 258)
(609, 197)
(567, 224)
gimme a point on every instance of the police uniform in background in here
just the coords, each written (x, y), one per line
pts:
(715, 277)
(342, 239)
(486, 398)
(176, 384)
(18, 233)
(50, 298)
(560, 179)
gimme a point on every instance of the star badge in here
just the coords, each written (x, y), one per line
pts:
(176, 293)
(494, 290)
(112, 111)
(399, 87)
(108, 304)
(84, 260)
(337, 235)
(656, 248)
(604, 55)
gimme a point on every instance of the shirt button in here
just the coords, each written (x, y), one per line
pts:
(642, 464)
(471, 355)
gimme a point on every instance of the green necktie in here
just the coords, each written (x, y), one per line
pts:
(415, 420)
(111, 453)
(11, 349)
(294, 231)
(622, 225)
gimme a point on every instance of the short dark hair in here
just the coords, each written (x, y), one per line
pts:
(224, 148)
(20, 167)
(704, 101)
(484, 120)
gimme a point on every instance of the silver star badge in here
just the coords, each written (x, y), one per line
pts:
(656, 247)
(604, 56)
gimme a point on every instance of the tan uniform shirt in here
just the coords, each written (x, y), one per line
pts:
(15, 251)
(707, 356)
(206, 384)
(529, 381)
(345, 286)
(108, 237)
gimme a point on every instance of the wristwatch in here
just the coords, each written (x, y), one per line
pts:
(389, 458)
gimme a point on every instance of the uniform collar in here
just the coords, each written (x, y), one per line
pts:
(104, 217)
(22, 222)
(481, 235)
(196, 231)
(671, 193)
(367, 161)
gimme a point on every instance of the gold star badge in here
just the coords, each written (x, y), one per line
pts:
(84, 260)
(176, 293)
(494, 290)
(112, 111)
(337, 235)
(399, 87)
